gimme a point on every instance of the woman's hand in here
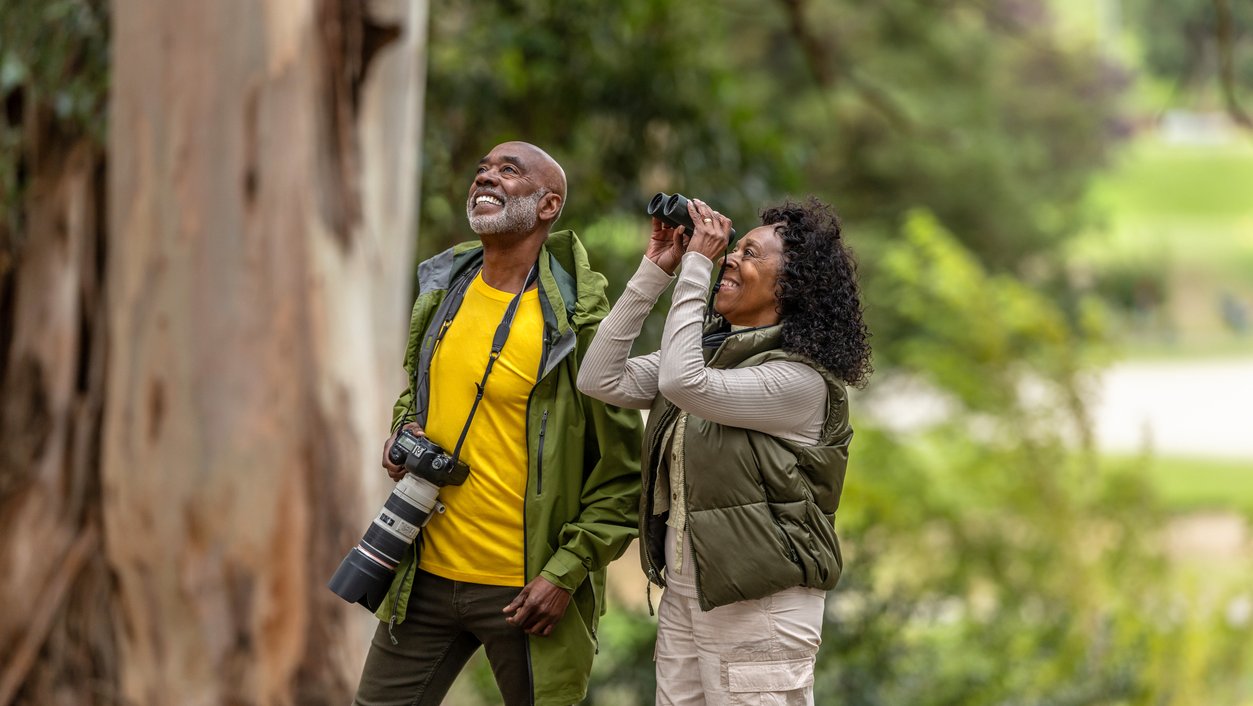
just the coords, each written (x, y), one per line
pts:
(666, 246)
(713, 230)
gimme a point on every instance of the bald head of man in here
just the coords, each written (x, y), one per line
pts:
(518, 189)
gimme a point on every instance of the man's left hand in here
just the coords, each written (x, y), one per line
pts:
(538, 607)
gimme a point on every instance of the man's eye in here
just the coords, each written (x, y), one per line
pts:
(510, 169)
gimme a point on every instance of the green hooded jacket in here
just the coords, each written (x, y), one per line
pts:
(583, 484)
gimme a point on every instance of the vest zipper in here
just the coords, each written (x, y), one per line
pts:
(539, 462)
(647, 490)
(787, 542)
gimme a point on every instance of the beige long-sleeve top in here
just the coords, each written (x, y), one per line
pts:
(784, 398)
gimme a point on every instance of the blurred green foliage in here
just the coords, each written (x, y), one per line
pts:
(971, 110)
(1196, 484)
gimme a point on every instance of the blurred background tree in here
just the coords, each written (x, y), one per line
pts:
(207, 214)
(1202, 47)
(977, 112)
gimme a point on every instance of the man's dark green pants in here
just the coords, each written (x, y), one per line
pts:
(445, 623)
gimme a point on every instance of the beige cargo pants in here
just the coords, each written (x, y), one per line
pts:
(752, 652)
(747, 653)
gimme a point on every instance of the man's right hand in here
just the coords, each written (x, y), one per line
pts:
(394, 471)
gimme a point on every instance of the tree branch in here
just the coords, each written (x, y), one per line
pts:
(828, 66)
(53, 595)
(815, 53)
(1224, 33)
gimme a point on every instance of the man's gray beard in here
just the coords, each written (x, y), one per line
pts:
(518, 216)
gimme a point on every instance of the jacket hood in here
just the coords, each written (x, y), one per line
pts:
(591, 302)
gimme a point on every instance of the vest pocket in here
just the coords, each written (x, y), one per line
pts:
(787, 543)
(810, 536)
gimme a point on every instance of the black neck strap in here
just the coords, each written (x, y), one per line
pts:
(498, 344)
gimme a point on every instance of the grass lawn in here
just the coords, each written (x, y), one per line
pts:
(1190, 484)
(1180, 216)
(1202, 182)
(1191, 205)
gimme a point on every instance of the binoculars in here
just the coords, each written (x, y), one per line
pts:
(671, 209)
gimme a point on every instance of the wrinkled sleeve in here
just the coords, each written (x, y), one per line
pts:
(607, 373)
(784, 398)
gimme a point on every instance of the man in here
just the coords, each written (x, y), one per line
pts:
(517, 562)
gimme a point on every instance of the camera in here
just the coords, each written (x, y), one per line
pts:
(424, 458)
(671, 209)
(366, 572)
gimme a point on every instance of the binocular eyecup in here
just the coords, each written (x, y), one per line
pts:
(671, 209)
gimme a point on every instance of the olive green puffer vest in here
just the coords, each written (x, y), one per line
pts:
(760, 509)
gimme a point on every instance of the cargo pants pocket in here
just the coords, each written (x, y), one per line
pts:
(769, 679)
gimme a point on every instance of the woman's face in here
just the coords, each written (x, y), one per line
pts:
(748, 295)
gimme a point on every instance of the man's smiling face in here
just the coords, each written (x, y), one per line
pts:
(504, 196)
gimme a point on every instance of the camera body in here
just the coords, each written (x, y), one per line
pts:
(427, 460)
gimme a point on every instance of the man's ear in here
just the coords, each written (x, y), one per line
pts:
(549, 207)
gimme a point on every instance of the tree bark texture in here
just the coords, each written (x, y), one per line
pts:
(196, 387)
(54, 581)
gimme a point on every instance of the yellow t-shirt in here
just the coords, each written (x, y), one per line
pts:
(479, 539)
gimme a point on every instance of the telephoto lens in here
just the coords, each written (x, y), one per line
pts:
(366, 572)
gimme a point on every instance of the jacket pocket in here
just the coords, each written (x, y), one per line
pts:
(539, 462)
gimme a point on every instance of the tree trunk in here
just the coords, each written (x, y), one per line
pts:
(185, 498)
(54, 625)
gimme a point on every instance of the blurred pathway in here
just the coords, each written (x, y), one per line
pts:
(1186, 408)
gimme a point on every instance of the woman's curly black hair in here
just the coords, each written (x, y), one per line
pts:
(819, 300)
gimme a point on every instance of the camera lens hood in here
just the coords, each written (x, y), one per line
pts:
(361, 580)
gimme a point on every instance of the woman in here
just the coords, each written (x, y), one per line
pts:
(746, 444)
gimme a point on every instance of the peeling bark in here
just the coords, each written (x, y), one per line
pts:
(52, 394)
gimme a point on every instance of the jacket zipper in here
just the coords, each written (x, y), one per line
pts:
(700, 595)
(539, 462)
(595, 614)
(545, 345)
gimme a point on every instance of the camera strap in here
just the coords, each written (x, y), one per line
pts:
(498, 344)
